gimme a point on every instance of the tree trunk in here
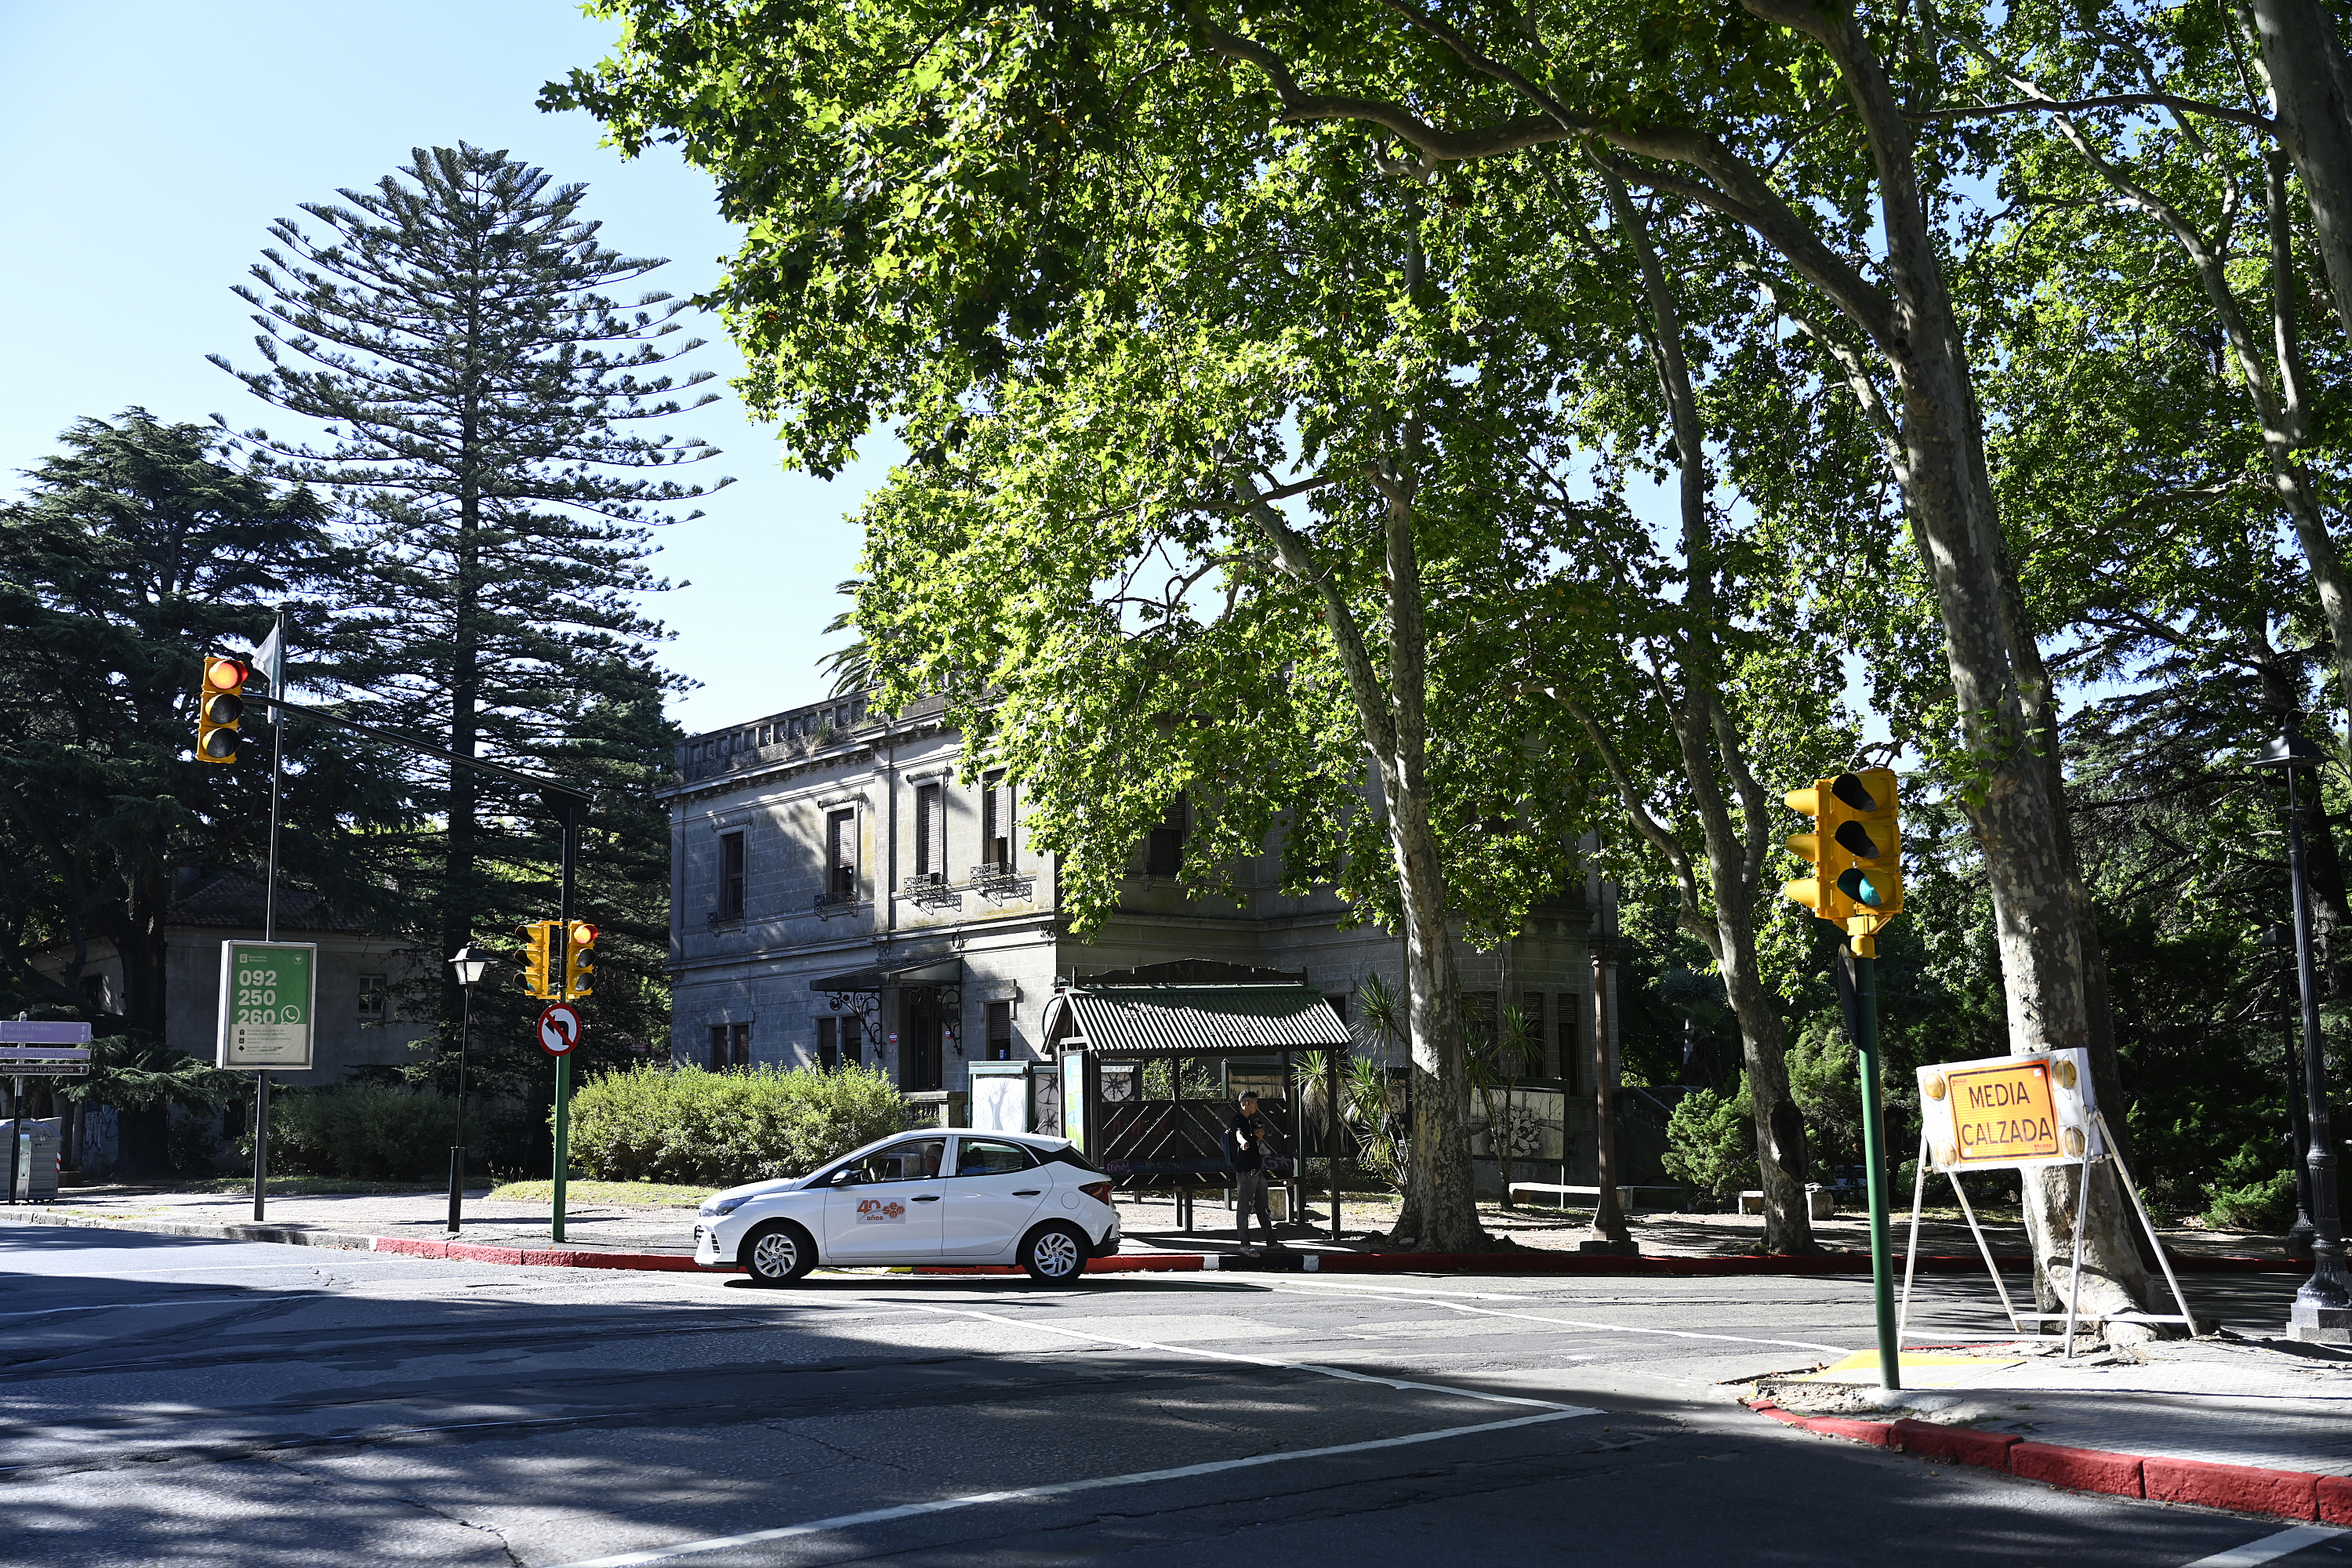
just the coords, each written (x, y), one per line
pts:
(2311, 93)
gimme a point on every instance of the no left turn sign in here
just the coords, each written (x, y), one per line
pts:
(560, 1029)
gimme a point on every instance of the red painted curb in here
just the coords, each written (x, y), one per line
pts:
(2238, 1489)
(545, 1258)
(1953, 1445)
(2078, 1469)
(2243, 1489)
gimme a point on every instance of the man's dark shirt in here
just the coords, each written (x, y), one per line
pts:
(1240, 1141)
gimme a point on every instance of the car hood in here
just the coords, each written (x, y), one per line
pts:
(749, 1190)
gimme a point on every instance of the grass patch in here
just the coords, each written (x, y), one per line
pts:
(648, 1194)
(294, 1186)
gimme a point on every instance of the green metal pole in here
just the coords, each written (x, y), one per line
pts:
(1874, 1155)
(564, 1134)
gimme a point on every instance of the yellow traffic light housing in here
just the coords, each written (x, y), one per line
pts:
(220, 709)
(541, 975)
(1856, 850)
(579, 962)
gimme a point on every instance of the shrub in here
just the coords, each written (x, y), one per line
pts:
(654, 1123)
(2265, 1207)
(360, 1131)
(1711, 1142)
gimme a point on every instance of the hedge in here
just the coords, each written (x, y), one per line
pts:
(717, 1129)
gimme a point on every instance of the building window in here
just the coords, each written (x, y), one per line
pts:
(841, 854)
(731, 874)
(1163, 852)
(996, 822)
(828, 1043)
(1575, 1038)
(1480, 1023)
(852, 1051)
(375, 993)
(930, 832)
(730, 1046)
(1000, 1031)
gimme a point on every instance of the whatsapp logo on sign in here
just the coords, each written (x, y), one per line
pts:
(267, 995)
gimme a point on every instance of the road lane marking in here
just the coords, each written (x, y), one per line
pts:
(1058, 1488)
(2269, 1548)
(199, 1301)
(1336, 1371)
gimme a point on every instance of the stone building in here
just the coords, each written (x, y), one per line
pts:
(840, 891)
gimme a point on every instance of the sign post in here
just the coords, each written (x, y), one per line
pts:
(559, 1029)
(267, 995)
(30, 1049)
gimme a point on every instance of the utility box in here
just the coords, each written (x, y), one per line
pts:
(33, 1174)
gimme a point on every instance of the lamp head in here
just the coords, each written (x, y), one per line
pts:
(2289, 751)
(469, 966)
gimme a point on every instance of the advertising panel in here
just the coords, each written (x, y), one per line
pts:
(268, 994)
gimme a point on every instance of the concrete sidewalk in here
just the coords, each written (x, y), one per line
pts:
(2257, 1425)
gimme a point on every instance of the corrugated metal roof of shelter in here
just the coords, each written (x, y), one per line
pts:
(1157, 1019)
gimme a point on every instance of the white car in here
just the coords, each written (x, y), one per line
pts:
(950, 1196)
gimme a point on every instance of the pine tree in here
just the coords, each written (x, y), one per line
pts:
(449, 329)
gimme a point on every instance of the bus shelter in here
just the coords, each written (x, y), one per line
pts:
(1151, 1069)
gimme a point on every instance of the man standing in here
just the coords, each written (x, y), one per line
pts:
(1247, 1143)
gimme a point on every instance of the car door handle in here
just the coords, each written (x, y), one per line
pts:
(927, 1197)
(1028, 1192)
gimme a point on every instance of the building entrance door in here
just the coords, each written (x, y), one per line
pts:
(920, 1057)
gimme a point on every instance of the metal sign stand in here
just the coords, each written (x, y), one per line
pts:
(2105, 1149)
(34, 1049)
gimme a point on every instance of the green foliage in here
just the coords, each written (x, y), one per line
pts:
(2265, 1206)
(360, 1132)
(1711, 1142)
(684, 1125)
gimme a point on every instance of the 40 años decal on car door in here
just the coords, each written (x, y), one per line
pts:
(881, 1211)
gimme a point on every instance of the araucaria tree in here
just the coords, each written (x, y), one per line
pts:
(451, 333)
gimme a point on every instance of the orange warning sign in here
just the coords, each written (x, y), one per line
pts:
(2001, 1114)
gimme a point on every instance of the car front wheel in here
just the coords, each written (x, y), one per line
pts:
(777, 1253)
(1055, 1254)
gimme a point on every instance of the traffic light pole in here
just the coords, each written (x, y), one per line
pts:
(563, 1062)
(270, 914)
(1874, 1157)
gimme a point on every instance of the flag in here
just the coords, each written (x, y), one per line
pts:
(270, 659)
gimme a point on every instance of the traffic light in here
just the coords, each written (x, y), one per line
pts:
(540, 974)
(1856, 848)
(579, 962)
(1872, 839)
(220, 708)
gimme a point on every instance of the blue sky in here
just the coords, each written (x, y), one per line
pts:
(149, 147)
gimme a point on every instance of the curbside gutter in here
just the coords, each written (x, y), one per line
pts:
(2238, 1489)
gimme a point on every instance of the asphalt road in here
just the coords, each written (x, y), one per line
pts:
(183, 1401)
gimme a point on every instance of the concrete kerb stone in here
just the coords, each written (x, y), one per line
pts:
(2235, 1488)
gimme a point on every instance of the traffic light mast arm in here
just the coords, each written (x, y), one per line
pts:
(511, 775)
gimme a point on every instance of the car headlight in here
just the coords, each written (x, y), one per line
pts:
(717, 1206)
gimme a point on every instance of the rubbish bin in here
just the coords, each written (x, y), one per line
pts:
(34, 1171)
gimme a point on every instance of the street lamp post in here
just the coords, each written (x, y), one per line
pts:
(2281, 939)
(2322, 1312)
(469, 967)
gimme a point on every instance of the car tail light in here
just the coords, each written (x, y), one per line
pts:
(1098, 1191)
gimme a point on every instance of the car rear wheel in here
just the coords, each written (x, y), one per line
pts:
(1056, 1254)
(777, 1253)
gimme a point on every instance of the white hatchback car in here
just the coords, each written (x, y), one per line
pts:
(955, 1197)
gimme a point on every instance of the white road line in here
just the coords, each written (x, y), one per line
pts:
(197, 1301)
(184, 1269)
(1058, 1488)
(2269, 1548)
(1336, 1371)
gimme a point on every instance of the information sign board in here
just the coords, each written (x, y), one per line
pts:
(268, 992)
(2008, 1112)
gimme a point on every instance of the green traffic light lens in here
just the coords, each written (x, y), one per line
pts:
(1860, 888)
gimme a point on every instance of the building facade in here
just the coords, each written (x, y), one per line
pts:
(841, 891)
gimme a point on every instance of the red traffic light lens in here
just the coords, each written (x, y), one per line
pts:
(582, 933)
(226, 674)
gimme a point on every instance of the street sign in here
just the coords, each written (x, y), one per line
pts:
(46, 1061)
(42, 1032)
(2009, 1113)
(267, 995)
(560, 1029)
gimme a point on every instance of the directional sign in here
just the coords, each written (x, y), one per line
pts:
(46, 1061)
(267, 991)
(560, 1029)
(42, 1032)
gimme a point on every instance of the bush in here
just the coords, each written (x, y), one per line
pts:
(654, 1123)
(363, 1131)
(1711, 1142)
(2265, 1207)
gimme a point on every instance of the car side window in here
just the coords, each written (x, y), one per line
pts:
(917, 1160)
(986, 1157)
